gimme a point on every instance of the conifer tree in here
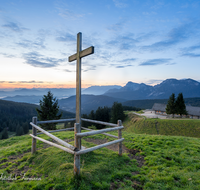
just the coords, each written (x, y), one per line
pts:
(171, 107)
(180, 105)
(19, 131)
(48, 111)
(117, 112)
(4, 134)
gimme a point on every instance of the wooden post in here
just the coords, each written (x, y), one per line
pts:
(77, 144)
(119, 123)
(78, 78)
(34, 132)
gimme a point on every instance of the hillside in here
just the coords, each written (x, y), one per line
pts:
(173, 127)
(148, 162)
(88, 103)
(14, 114)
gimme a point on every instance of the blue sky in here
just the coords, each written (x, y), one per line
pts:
(140, 41)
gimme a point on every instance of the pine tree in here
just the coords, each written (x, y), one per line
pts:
(117, 112)
(25, 127)
(19, 131)
(102, 114)
(48, 111)
(171, 107)
(180, 105)
(4, 134)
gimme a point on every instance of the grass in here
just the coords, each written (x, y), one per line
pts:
(56, 172)
(154, 162)
(173, 127)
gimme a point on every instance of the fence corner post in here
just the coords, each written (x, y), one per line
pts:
(77, 144)
(34, 132)
(119, 123)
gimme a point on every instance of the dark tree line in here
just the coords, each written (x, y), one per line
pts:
(176, 105)
(105, 114)
(15, 117)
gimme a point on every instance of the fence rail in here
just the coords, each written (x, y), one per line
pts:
(77, 149)
(56, 121)
(67, 129)
(102, 133)
(54, 137)
(100, 122)
(98, 146)
(53, 144)
(98, 132)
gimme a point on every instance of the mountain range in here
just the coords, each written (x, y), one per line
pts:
(134, 91)
(96, 96)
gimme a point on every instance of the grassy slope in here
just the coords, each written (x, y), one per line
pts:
(180, 127)
(170, 163)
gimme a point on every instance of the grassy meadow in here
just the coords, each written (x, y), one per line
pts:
(150, 161)
(173, 127)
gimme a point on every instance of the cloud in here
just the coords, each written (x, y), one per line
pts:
(128, 60)
(116, 27)
(21, 82)
(120, 3)
(8, 55)
(38, 43)
(68, 71)
(124, 63)
(189, 51)
(152, 62)
(125, 42)
(14, 27)
(153, 82)
(37, 60)
(66, 37)
(89, 68)
(66, 13)
(122, 66)
(191, 48)
(191, 55)
(175, 36)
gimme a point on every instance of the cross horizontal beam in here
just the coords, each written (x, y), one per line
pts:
(83, 53)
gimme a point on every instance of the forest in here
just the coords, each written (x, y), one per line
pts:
(15, 117)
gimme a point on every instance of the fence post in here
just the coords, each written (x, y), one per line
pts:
(77, 144)
(119, 123)
(34, 132)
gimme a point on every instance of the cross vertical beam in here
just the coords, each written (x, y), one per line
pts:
(77, 56)
(78, 79)
(77, 127)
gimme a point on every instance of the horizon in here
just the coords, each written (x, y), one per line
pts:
(145, 42)
(90, 86)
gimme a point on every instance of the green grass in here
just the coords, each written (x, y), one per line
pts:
(55, 167)
(173, 127)
(170, 163)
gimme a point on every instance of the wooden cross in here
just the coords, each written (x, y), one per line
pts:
(77, 56)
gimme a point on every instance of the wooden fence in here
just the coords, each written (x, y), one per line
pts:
(77, 149)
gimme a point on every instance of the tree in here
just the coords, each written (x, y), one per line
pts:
(48, 111)
(4, 134)
(19, 131)
(102, 114)
(117, 112)
(25, 127)
(171, 107)
(180, 105)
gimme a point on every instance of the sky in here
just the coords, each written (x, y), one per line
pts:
(144, 41)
